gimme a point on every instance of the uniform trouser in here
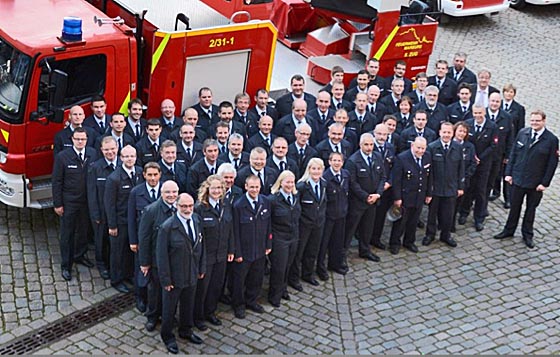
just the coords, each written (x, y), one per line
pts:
(209, 290)
(101, 241)
(441, 213)
(333, 242)
(184, 298)
(533, 199)
(281, 259)
(121, 256)
(141, 292)
(73, 235)
(247, 282)
(495, 175)
(153, 307)
(407, 225)
(307, 251)
(477, 192)
(359, 221)
(380, 214)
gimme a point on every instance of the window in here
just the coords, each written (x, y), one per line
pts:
(14, 72)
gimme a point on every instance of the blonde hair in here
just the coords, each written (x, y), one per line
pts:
(278, 184)
(204, 190)
(313, 161)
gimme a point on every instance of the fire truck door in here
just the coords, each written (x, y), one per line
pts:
(225, 73)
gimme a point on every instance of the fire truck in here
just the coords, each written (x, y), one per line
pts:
(57, 54)
(462, 8)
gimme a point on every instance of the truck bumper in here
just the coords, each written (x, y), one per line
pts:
(455, 9)
(15, 191)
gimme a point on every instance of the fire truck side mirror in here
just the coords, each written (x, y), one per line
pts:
(59, 84)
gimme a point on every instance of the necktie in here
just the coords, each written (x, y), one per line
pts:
(301, 152)
(190, 231)
(439, 83)
(173, 209)
(189, 157)
(217, 207)
(102, 126)
(223, 149)
(337, 178)
(112, 166)
(339, 106)
(289, 200)
(336, 148)
(478, 129)
(81, 157)
(210, 114)
(360, 118)
(137, 130)
(260, 177)
(322, 117)
(120, 143)
(212, 171)
(446, 148)
(420, 133)
(132, 177)
(421, 98)
(155, 149)
(282, 166)
(382, 150)
(255, 205)
(372, 109)
(464, 108)
(405, 119)
(263, 114)
(506, 106)
(171, 171)
(317, 192)
(492, 117)
(370, 160)
(418, 162)
(153, 194)
(456, 76)
(534, 138)
(267, 141)
(236, 163)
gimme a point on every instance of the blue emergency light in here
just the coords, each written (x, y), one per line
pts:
(72, 29)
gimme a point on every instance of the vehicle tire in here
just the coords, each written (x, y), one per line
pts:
(517, 4)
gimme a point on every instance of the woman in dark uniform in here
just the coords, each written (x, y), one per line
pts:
(469, 156)
(286, 211)
(217, 232)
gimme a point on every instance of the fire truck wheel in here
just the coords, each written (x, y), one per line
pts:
(517, 4)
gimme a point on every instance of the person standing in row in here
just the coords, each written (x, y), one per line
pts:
(217, 229)
(286, 211)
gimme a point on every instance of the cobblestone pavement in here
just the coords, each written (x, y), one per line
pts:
(485, 296)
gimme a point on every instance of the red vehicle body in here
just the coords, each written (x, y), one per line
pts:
(42, 75)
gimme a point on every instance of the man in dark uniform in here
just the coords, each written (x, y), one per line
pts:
(337, 100)
(243, 115)
(530, 169)
(372, 68)
(253, 242)
(63, 139)
(278, 159)
(412, 186)
(484, 135)
(264, 136)
(148, 146)
(437, 112)
(169, 122)
(153, 216)
(447, 86)
(322, 114)
(117, 189)
(334, 143)
(199, 172)
(262, 107)
(459, 72)
(360, 120)
(181, 260)
(284, 103)
(288, 124)
(419, 128)
(207, 112)
(99, 120)
(69, 190)
(399, 71)
(448, 177)
(362, 81)
(257, 166)
(118, 132)
(392, 98)
(171, 169)
(189, 151)
(461, 109)
(97, 177)
(301, 151)
(140, 197)
(135, 124)
(235, 153)
(190, 116)
(367, 180)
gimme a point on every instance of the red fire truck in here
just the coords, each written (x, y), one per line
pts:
(133, 49)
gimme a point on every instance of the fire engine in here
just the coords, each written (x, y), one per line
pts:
(57, 54)
(520, 4)
(462, 8)
(153, 53)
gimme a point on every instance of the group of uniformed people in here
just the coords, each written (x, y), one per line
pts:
(194, 210)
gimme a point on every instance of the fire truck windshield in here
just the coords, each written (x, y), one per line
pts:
(14, 70)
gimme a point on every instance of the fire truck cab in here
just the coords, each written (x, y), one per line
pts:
(121, 50)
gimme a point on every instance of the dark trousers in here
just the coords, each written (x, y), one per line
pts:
(359, 222)
(407, 225)
(209, 290)
(533, 199)
(495, 177)
(333, 242)
(184, 298)
(140, 289)
(380, 214)
(307, 251)
(121, 256)
(73, 234)
(247, 282)
(441, 213)
(281, 259)
(101, 241)
(477, 192)
(153, 308)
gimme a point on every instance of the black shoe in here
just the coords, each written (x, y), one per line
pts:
(104, 273)
(323, 276)
(120, 287)
(274, 304)
(450, 242)
(256, 308)
(462, 220)
(380, 245)
(479, 226)
(140, 305)
(286, 296)
(226, 299)
(214, 320)
(296, 286)
(453, 229)
(529, 242)
(66, 275)
(411, 247)
(503, 235)
(311, 281)
(150, 325)
(371, 257)
(172, 347)
(239, 313)
(493, 197)
(192, 338)
(427, 240)
(394, 249)
(420, 224)
(507, 205)
(200, 325)
(83, 260)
